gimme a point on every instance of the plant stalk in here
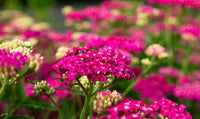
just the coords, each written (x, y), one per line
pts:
(84, 110)
(129, 88)
(60, 111)
(2, 90)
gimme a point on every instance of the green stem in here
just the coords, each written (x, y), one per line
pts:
(60, 111)
(170, 46)
(12, 98)
(2, 90)
(129, 88)
(84, 110)
(84, 90)
(95, 91)
(185, 62)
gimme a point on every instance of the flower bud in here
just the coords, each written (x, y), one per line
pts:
(61, 52)
(106, 99)
(157, 51)
(42, 88)
(146, 62)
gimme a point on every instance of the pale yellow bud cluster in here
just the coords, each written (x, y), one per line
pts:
(189, 37)
(156, 50)
(77, 35)
(106, 99)
(142, 19)
(40, 26)
(23, 22)
(42, 88)
(67, 9)
(146, 62)
(61, 52)
(171, 20)
(35, 61)
(82, 25)
(86, 84)
(17, 46)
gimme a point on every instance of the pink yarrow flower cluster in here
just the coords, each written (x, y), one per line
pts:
(169, 71)
(136, 109)
(97, 65)
(10, 62)
(190, 32)
(95, 13)
(188, 91)
(46, 36)
(125, 43)
(120, 42)
(115, 4)
(188, 3)
(154, 87)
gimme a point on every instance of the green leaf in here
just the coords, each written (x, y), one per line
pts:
(4, 116)
(35, 105)
(31, 82)
(62, 88)
(75, 93)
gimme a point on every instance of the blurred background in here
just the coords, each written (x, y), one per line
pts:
(47, 11)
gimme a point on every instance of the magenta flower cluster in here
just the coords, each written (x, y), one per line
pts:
(188, 3)
(11, 61)
(136, 109)
(169, 71)
(190, 32)
(46, 36)
(154, 87)
(97, 65)
(102, 12)
(120, 42)
(170, 109)
(188, 91)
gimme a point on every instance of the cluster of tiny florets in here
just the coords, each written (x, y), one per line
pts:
(156, 50)
(11, 63)
(42, 88)
(120, 42)
(106, 99)
(187, 3)
(136, 109)
(35, 60)
(97, 65)
(17, 46)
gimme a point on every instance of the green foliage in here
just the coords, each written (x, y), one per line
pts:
(35, 105)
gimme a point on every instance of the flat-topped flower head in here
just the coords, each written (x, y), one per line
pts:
(42, 88)
(188, 91)
(186, 3)
(170, 109)
(190, 32)
(157, 51)
(17, 46)
(36, 60)
(11, 63)
(106, 99)
(26, 48)
(129, 44)
(153, 87)
(61, 52)
(97, 65)
(136, 109)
